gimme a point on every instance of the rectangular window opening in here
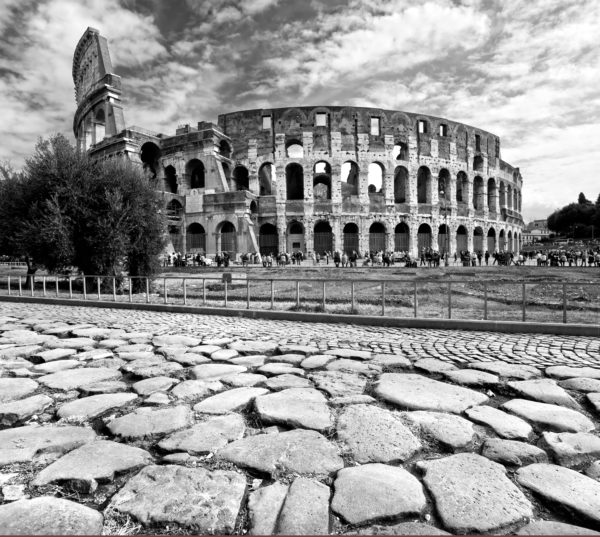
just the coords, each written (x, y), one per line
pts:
(422, 127)
(375, 126)
(321, 119)
(266, 122)
(443, 130)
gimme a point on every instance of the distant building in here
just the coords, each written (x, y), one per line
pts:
(309, 179)
(535, 231)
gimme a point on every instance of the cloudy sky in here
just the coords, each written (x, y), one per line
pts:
(526, 70)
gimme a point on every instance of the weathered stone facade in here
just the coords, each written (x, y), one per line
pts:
(310, 178)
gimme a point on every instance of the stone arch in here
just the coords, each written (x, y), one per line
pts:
(424, 185)
(195, 238)
(502, 241)
(401, 185)
(268, 239)
(294, 149)
(461, 187)
(443, 239)
(509, 196)
(266, 179)
(226, 238)
(423, 237)
(478, 202)
(294, 178)
(462, 239)
(509, 241)
(400, 151)
(322, 180)
(171, 179)
(241, 178)
(377, 237)
(150, 155)
(402, 237)
(350, 238)
(323, 237)
(349, 176)
(478, 163)
(444, 186)
(196, 173)
(376, 178)
(99, 125)
(491, 240)
(478, 245)
(492, 194)
(502, 194)
(224, 149)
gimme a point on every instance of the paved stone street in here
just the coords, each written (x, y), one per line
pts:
(122, 421)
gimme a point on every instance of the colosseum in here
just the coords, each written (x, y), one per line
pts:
(309, 179)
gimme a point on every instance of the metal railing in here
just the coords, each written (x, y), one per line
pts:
(471, 299)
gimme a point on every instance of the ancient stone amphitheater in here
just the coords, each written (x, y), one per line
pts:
(313, 179)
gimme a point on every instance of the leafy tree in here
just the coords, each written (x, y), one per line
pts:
(574, 217)
(66, 210)
(582, 200)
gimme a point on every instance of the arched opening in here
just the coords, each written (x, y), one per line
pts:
(240, 178)
(253, 208)
(99, 126)
(295, 237)
(461, 187)
(149, 155)
(424, 185)
(443, 239)
(170, 179)
(377, 237)
(478, 163)
(350, 238)
(502, 194)
(400, 184)
(478, 240)
(502, 241)
(196, 173)
(294, 149)
(400, 151)
(226, 238)
(294, 178)
(462, 239)
(478, 193)
(195, 238)
(323, 237)
(175, 238)
(444, 187)
(509, 197)
(322, 181)
(349, 179)
(491, 240)
(375, 178)
(424, 237)
(266, 179)
(402, 237)
(268, 240)
(492, 195)
(509, 242)
(174, 212)
(515, 199)
(226, 172)
(224, 149)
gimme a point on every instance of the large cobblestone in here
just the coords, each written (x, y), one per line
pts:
(170, 372)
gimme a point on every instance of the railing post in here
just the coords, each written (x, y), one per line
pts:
(225, 297)
(382, 299)
(98, 286)
(485, 301)
(9, 285)
(564, 302)
(114, 282)
(44, 286)
(20, 287)
(56, 281)
(297, 293)
(147, 290)
(416, 304)
(165, 290)
(352, 296)
(449, 300)
(272, 294)
(184, 292)
(204, 291)
(84, 288)
(324, 296)
(130, 289)
(524, 302)
(70, 287)
(247, 293)
(31, 284)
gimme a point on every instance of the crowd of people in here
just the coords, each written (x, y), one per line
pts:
(428, 257)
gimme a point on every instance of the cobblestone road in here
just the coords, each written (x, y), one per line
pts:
(134, 422)
(452, 345)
